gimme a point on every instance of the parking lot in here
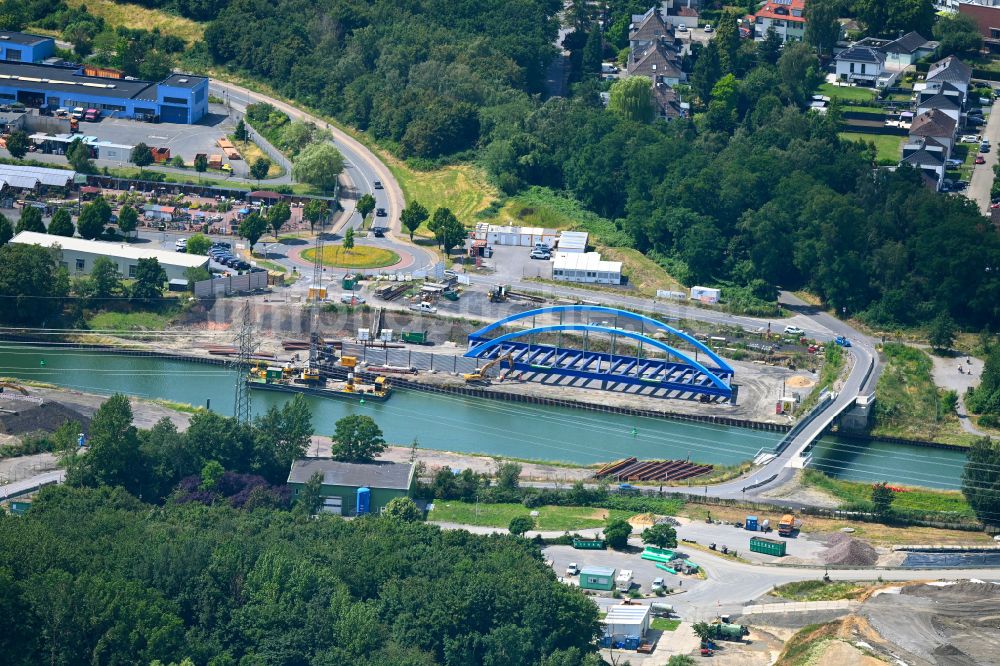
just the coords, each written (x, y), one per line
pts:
(510, 264)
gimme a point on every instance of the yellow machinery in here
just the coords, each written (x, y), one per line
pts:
(309, 375)
(379, 389)
(349, 361)
(480, 374)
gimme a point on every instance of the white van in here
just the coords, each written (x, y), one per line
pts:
(623, 581)
(181, 244)
(609, 68)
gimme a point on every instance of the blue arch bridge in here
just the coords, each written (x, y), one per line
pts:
(695, 374)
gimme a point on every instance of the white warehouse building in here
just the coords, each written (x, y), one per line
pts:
(585, 267)
(78, 255)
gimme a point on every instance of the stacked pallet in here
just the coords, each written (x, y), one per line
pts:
(632, 469)
(229, 149)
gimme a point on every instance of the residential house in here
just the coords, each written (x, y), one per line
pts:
(944, 103)
(906, 51)
(667, 103)
(659, 63)
(928, 157)
(860, 64)
(951, 70)
(787, 17)
(646, 30)
(937, 125)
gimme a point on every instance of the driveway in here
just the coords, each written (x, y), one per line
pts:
(982, 175)
(947, 376)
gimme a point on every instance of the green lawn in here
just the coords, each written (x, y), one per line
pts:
(360, 256)
(665, 624)
(908, 403)
(846, 93)
(817, 590)
(554, 518)
(912, 499)
(887, 146)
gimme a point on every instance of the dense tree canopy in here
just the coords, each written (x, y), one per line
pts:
(31, 283)
(95, 576)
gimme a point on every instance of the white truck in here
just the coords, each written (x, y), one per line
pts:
(424, 306)
(623, 581)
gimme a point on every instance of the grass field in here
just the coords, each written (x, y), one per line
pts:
(462, 189)
(913, 499)
(909, 404)
(665, 624)
(833, 364)
(644, 274)
(554, 518)
(818, 590)
(138, 17)
(887, 146)
(361, 256)
(129, 321)
(807, 646)
(251, 152)
(846, 93)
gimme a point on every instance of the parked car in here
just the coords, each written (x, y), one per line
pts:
(573, 569)
(980, 159)
(378, 184)
(974, 121)
(970, 138)
(793, 330)
(954, 163)
(984, 147)
(181, 244)
(540, 254)
(681, 27)
(708, 27)
(424, 306)
(380, 212)
(657, 585)
(351, 299)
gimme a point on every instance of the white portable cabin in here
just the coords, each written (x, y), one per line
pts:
(705, 294)
(622, 621)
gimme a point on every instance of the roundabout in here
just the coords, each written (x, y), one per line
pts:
(360, 256)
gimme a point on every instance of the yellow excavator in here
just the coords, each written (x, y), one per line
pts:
(480, 374)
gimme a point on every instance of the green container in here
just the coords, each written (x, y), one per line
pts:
(588, 544)
(597, 578)
(414, 337)
(767, 546)
(348, 283)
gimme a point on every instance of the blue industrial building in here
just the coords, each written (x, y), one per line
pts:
(180, 98)
(22, 47)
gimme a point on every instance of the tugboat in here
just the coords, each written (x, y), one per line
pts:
(289, 379)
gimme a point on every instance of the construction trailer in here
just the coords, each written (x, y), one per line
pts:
(597, 578)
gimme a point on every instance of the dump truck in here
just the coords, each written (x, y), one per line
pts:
(786, 526)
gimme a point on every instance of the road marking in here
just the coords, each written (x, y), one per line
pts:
(162, 138)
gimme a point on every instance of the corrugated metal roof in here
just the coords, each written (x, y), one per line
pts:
(626, 614)
(356, 475)
(573, 239)
(597, 571)
(20, 182)
(105, 249)
(53, 177)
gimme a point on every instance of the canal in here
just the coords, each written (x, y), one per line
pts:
(478, 425)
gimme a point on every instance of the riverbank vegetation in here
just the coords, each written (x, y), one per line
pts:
(909, 405)
(857, 496)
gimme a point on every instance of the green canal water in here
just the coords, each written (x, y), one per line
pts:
(476, 425)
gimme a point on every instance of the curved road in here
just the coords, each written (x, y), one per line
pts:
(362, 168)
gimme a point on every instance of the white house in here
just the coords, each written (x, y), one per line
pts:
(585, 267)
(518, 236)
(787, 17)
(860, 64)
(937, 125)
(951, 70)
(949, 105)
(906, 51)
(78, 255)
(928, 158)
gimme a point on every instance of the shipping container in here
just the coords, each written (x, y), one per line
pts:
(588, 544)
(767, 546)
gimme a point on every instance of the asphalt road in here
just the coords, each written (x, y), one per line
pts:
(982, 176)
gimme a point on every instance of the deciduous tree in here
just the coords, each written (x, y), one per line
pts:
(660, 535)
(365, 205)
(62, 224)
(942, 333)
(30, 220)
(277, 215)
(149, 279)
(404, 509)
(413, 216)
(252, 228)
(128, 219)
(349, 239)
(357, 438)
(18, 144)
(141, 156)
(259, 169)
(616, 533)
(318, 165)
(521, 524)
(632, 99)
(882, 497)
(448, 231)
(981, 480)
(315, 211)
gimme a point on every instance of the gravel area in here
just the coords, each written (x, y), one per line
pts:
(848, 551)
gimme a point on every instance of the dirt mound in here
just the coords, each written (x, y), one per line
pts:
(46, 417)
(800, 381)
(846, 550)
(963, 592)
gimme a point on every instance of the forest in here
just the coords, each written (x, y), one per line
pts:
(97, 576)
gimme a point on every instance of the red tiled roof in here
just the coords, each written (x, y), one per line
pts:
(770, 11)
